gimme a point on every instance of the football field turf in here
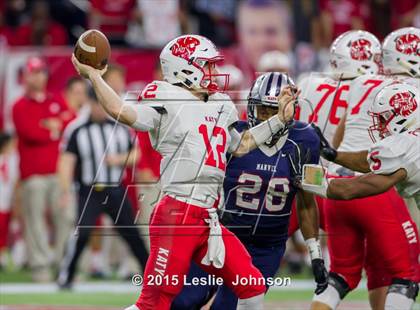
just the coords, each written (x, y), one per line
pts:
(122, 299)
(115, 295)
(79, 300)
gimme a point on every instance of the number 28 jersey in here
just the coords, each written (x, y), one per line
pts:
(193, 137)
(259, 190)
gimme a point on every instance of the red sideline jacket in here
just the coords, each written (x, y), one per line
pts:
(38, 148)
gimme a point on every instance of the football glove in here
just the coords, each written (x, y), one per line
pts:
(318, 267)
(320, 275)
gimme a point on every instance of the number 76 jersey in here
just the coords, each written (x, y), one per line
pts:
(323, 102)
(193, 137)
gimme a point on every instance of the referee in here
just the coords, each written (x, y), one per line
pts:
(95, 155)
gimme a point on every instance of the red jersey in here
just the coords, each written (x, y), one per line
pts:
(55, 35)
(115, 15)
(38, 147)
(342, 12)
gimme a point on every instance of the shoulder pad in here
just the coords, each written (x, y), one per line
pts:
(386, 156)
(241, 126)
(304, 133)
(159, 90)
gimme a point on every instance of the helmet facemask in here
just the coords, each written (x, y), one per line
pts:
(394, 112)
(212, 80)
(380, 125)
(264, 93)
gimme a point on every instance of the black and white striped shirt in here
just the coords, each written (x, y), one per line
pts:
(91, 142)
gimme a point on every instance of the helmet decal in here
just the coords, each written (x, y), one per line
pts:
(403, 103)
(408, 44)
(184, 47)
(361, 49)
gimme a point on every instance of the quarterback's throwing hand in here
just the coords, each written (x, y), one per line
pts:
(287, 101)
(85, 70)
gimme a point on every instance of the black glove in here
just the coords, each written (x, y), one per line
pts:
(320, 275)
(297, 159)
(328, 152)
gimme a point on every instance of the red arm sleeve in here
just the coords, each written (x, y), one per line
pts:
(149, 158)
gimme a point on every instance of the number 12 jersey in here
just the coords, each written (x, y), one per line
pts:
(193, 137)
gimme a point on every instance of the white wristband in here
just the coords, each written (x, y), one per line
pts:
(316, 189)
(266, 129)
(318, 184)
(314, 248)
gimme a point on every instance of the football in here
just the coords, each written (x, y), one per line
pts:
(93, 49)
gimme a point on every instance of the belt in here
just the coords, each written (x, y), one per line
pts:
(100, 187)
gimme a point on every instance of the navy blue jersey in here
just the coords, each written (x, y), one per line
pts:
(259, 189)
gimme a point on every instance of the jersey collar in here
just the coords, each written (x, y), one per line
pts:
(270, 151)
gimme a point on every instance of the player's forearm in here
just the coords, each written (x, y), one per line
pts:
(356, 161)
(363, 186)
(339, 133)
(111, 102)
(246, 145)
(308, 223)
(307, 212)
(257, 135)
(341, 189)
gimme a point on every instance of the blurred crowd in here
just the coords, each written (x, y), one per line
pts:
(36, 214)
(38, 200)
(304, 27)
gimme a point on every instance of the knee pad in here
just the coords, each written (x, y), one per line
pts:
(409, 289)
(336, 290)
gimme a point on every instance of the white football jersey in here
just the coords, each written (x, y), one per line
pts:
(323, 101)
(396, 152)
(363, 91)
(193, 137)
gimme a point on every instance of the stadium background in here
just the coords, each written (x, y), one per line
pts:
(301, 30)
